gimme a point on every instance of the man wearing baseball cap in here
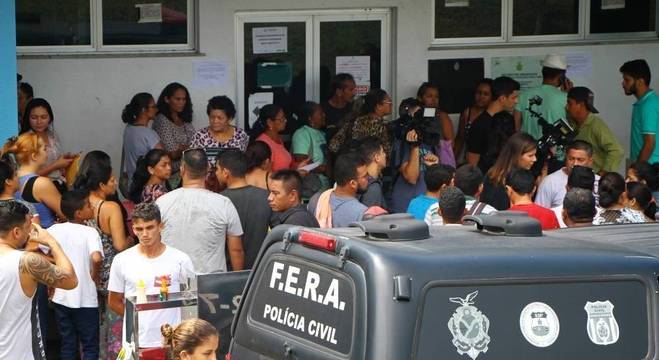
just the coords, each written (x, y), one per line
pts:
(552, 94)
(607, 151)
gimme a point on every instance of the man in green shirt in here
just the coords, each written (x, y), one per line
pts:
(645, 113)
(553, 97)
(607, 151)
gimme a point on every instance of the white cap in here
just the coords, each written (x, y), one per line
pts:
(555, 61)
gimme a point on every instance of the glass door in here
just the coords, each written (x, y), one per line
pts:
(289, 58)
(354, 42)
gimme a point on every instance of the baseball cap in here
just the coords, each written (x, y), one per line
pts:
(584, 95)
(555, 61)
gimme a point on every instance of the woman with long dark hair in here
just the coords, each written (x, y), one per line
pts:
(95, 176)
(38, 118)
(519, 151)
(267, 128)
(259, 165)
(377, 105)
(150, 178)
(640, 201)
(174, 122)
(612, 193)
(482, 99)
(138, 137)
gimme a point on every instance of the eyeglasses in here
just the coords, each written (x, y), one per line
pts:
(280, 119)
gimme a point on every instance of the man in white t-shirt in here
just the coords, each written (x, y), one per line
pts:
(20, 272)
(552, 189)
(149, 263)
(76, 310)
(200, 222)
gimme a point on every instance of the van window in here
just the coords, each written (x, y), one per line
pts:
(571, 320)
(307, 301)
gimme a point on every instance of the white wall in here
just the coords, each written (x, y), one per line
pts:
(88, 93)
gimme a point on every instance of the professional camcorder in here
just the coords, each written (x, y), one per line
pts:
(423, 121)
(555, 136)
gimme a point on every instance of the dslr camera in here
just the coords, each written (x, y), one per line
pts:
(557, 135)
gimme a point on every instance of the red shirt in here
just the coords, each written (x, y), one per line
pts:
(281, 158)
(546, 217)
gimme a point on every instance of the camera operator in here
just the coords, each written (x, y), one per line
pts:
(492, 128)
(411, 157)
(607, 151)
(552, 93)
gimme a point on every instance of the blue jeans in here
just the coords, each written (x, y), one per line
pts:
(78, 326)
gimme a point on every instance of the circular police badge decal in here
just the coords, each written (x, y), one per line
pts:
(539, 324)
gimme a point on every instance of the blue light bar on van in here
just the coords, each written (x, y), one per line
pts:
(316, 240)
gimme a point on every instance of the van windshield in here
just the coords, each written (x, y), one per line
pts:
(569, 320)
(307, 301)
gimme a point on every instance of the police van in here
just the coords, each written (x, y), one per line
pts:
(391, 288)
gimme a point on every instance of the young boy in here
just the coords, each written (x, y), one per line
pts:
(76, 310)
(437, 177)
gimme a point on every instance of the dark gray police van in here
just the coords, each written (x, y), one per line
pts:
(390, 288)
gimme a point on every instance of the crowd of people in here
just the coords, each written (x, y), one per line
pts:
(198, 201)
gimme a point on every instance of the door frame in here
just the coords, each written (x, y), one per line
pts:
(312, 20)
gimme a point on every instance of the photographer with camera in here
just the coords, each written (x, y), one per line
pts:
(417, 134)
(492, 128)
(552, 95)
(606, 150)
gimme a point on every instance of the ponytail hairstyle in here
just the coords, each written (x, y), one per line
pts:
(168, 92)
(611, 187)
(649, 174)
(372, 99)
(22, 148)
(643, 196)
(137, 104)
(94, 171)
(187, 336)
(267, 113)
(142, 175)
(32, 104)
(257, 153)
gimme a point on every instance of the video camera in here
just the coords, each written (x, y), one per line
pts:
(423, 121)
(557, 135)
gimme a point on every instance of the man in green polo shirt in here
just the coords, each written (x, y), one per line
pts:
(553, 97)
(607, 151)
(645, 113)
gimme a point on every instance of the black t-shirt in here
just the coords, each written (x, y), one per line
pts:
(495, 195)
(487, 136)
(335, 118)
(254, 212)
(297, 215)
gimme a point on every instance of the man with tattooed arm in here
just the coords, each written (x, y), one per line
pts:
(20, 271)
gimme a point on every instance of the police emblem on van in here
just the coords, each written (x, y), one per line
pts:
(602, 326)
(539, 324)
(469, 327)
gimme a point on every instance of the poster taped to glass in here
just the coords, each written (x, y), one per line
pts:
(270, 40)
(150, 13)
(360, 69)
(456, 3)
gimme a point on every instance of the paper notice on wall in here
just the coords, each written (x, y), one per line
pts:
(254, 104)
(209, 73)
(360, 69)
(613, 4)
(579, 66)
(456, 3)
(270, 40)
(150, 13)
(527, 70)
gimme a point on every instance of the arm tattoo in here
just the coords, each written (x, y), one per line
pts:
(41, 269)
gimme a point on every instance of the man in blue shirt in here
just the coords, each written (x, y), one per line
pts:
(645, 113)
